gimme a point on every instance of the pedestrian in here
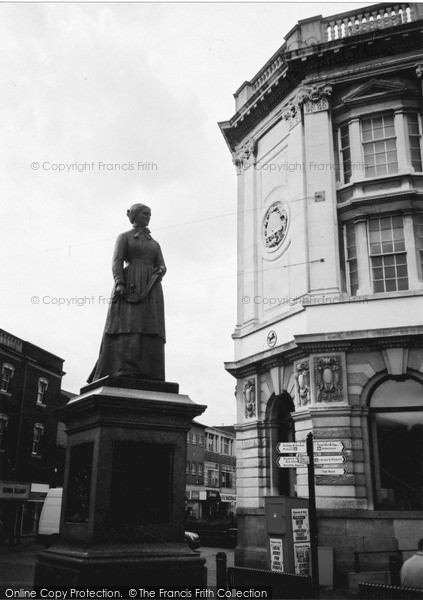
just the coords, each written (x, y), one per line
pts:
(412, 569)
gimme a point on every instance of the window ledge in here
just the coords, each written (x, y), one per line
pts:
(4, 393)
(390, 295)
(41, 405)
(35, 455)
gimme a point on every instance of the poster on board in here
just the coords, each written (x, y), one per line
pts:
(300, 525)
(302, 558)
(276, 555)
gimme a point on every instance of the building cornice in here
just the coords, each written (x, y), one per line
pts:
(341, 341)
(301, 65)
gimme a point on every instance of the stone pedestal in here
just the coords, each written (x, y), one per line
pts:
(122, 520)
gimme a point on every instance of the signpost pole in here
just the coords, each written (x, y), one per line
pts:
(314, 538)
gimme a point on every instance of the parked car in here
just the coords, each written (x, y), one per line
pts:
(193, 540)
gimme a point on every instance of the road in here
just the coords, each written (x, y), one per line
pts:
(17, 565)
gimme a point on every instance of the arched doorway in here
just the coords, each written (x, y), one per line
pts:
(396, 429)
(282, 430)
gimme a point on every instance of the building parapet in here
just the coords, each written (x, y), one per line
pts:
(10, 341)
(378, 16)
(311, 33)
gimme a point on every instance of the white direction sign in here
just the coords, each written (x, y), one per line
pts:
(329, 460)
(328, 471)
(289, 447)
(328, 446)
(292, 461)
(318, 446)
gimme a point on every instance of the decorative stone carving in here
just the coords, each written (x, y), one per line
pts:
(249, 393)
(245, 156)
(302, 377)
(275, 225)
(419, 71)
(316, 98)
(292, 113)
(328, 377)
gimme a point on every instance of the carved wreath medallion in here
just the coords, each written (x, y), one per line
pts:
(275, 225)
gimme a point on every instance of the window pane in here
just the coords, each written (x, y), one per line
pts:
(381, 151)
(389, 270)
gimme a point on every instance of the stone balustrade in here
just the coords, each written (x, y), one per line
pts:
(263, 77)
(379, 16)
(310, 33)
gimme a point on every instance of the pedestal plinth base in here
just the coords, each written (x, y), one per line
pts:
(138, 565)
(122, 516)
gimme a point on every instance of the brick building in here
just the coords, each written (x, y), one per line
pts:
(211, 471)
(30, 459)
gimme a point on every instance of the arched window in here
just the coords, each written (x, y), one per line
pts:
(42, 388)
(36, 439)
(7, 372)
(396, 414)
(4, 419)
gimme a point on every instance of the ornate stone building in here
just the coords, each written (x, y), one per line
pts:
(327, 145)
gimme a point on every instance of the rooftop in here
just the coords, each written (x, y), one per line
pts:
(318, 41)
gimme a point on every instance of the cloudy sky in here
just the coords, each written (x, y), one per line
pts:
(87, 85)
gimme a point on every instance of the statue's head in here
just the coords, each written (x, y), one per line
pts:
(136, 210)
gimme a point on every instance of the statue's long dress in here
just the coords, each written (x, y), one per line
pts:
(134, 334)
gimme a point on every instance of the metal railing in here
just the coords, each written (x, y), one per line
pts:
(283, 585)
(378, 591)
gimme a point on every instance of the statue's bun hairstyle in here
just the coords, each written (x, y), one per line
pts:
(131, 212)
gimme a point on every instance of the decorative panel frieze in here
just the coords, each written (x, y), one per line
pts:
(302, 383)
(328, 376)
(249, 394)
(245, 156)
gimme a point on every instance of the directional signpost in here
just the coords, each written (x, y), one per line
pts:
(301, 460)
(328, 446)
(328, 471)
(329, 460)
(318, 446)
(291, 447)
(304, 454)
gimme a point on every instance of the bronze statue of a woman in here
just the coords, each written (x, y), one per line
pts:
(134, 334)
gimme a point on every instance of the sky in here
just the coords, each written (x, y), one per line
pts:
(104, 105)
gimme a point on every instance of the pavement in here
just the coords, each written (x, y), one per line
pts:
(17, 566)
